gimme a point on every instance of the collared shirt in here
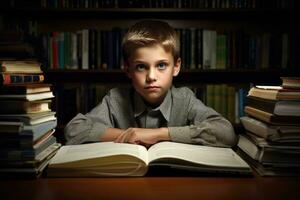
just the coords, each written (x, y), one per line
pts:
(148, 117)
(187, 118)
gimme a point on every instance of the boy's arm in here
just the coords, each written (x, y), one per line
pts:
(145, 136)
(206, 126)
(213, 131)
(110, 134)
(89, 127)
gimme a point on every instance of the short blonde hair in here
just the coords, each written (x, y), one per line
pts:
(148, 33)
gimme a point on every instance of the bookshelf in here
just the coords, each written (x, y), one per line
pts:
(168, 13)
(265, 17)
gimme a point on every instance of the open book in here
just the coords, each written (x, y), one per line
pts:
(119, 159)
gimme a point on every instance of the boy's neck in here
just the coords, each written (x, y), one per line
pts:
(153, 106)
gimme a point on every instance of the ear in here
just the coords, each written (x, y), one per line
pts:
(126, 69)
(177, 67)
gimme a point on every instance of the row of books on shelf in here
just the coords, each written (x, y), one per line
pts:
(228, 100)
(271, 143)
(200, 49)
(155, 4)
(27, 123)
(84, 49)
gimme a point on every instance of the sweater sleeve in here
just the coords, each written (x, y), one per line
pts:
(207, 127)
(89, 127)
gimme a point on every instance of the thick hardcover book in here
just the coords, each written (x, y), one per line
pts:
(274, 93)
(14, 79)
(14, 154)
(116, 159)
(12, 129)
(17, 66)
(27, 97)
(291, 82)
(29, 118)
(281, 107)
(270, 132)
(265, 153)
(25, 88)
(271, 118)
(40, 158)
(23, 142)
(269, 170)
(24, 107)
(29, 168)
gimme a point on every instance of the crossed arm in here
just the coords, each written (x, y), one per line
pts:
(205, 127)
(143, 136)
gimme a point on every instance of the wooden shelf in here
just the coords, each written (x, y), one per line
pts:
(185, 77)
(162, 13)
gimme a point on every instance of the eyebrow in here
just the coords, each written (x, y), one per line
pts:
(159, 61)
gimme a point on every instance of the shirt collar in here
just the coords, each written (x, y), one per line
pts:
(164, 108)
(139, 105)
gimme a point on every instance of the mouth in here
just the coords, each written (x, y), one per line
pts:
(152, 88)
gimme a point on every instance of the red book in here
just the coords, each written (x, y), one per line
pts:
(16, 79)
(55, 50)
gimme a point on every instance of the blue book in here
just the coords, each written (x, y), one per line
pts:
(13, 129)
(28, 154)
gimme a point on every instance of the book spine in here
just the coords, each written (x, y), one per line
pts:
(55, 55)
(8, 79)
(85, 49)
(16, 143)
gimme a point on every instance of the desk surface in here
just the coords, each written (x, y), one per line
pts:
(152, 188)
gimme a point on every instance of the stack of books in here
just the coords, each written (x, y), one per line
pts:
(271, 143)
(27, 123)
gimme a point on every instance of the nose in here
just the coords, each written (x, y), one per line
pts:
(151, 75)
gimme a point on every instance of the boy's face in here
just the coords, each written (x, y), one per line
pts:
(151, 70)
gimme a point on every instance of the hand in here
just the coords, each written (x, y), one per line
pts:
(143, 136)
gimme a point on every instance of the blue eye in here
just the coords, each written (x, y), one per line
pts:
(162, 66)
(140, 67)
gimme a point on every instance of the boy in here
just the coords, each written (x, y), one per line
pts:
(153, 110)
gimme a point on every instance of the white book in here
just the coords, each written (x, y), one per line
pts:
(29, 118)
(29, 97)
(209, 49)
(119, 159)
(206, 49)
(74, 53)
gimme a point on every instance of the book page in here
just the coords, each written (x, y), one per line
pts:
(205, 155)
(74, 153)
(269, 87)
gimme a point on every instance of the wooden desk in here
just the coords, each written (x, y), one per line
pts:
(155, 188)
